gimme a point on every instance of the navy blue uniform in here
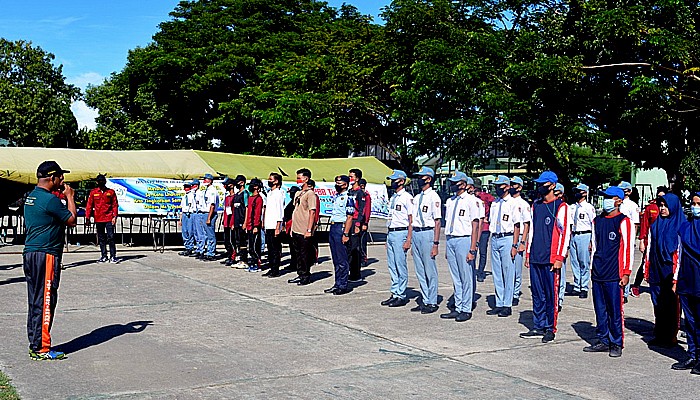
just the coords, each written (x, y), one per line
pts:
(688, 283)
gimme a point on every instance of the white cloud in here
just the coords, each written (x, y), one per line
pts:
(84, 114)
(83, 80)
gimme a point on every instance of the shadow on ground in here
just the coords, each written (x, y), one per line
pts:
(9, 281)
(102, 335)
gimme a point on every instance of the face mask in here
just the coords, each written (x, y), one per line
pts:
(454, 188)
(513, 191)
(608, 205)
(421, 182)
(500, 191)
(695, 210)
(395, 185)
(578, 196)
(206, 184)
(543, 190)
(300, 182)
(270, 183)
(352, 182)
(339, 188)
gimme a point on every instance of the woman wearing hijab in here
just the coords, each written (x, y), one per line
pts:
(687, 285)
(661, 264)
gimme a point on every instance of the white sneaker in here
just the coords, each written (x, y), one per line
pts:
(241, 265)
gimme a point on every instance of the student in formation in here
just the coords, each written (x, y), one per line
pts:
(612, 250)
(254, 224)
(546, 250)
(187, 209)
(582, 215)
(463, 214)
(228, 222)
(398, 239)
(525, 216)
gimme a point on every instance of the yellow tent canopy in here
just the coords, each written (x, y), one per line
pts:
(19, 164)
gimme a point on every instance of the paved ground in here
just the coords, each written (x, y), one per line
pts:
(160, 326)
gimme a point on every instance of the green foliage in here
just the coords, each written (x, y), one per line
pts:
(34, 98)
(594, 169)
(7, 392)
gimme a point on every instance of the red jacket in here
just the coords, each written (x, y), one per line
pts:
(368, 207)
(649, 215)
(104, 203)
(254, 212)
(228, 205)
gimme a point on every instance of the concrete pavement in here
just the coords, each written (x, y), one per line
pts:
(163, 326)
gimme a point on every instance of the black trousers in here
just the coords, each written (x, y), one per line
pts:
(240, 243)
(43, 273)
(105, 235)
(293, 258)
(228, 242)
(305, 254)
(274, 249)
(667, 310)
(355, 256)
(254, 248)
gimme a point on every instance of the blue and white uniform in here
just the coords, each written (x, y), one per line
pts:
(400, 209)
(503, 219)
(428, 209)
(581, 217)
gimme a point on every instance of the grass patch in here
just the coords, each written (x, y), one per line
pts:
(7, 392)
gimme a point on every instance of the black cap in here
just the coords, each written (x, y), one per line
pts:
(186, 184)
(362, 181)
(239, 178)
(255, 182)
(343, 178)
(311, 183)
(227, 181)
(101, 178)
(49, 168)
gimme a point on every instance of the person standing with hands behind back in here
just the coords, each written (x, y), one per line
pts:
(45, 219)
(102, 205)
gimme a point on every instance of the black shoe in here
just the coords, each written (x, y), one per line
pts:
(505, 312)
(494, 311)
(615, 351)
(696, 370)
(304, 281)
(272, 274)
(354, 278)
(463, 316)
(418, 307)
(185, 253)
(516, 301)
(479, 278)
(330, 289)
(398, 302)
(294, 280)
(473, 305)
(626, 300)
(583, 295)
(195, 254)
(340, 291)
(532, 334)
(597, 348)
(548, 337)
(429, 309)
(683, 365)
(450, 315)
(388, 301)
(559, 309)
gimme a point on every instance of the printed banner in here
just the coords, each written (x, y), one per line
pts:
(163, 196)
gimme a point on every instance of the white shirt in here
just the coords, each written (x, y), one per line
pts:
(400, 207)
(208, 197)
(460, 211)
(187, 203)
(428, 208)
(581, 216)
(524, 209)
(274, 211)
(630, 209)
(199, 203)
(504, 215)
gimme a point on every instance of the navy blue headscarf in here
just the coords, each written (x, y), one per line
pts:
(665, 230)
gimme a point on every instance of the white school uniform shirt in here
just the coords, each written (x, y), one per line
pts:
(460, 211)
(274, 211)
(400, 207)
(428, 208)
(209, 196)
(504, 215)
(188, 204)
(199, 203)
(524, 210)
(630, 209)
(581, 216)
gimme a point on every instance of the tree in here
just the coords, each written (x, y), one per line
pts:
(34, 98)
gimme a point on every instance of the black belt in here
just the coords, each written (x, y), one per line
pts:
(202, 212)
(405, 228)
(581, 232)
(187, 214)
(500, 235)
(336, 223)
(418, 229)
(458, 236)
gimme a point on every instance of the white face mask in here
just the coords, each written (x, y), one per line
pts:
(608, 205)
(695, 210)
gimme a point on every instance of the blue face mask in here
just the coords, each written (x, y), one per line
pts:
(695, 210)
(608, 205)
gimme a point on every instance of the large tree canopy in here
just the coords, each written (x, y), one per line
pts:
(34, 98)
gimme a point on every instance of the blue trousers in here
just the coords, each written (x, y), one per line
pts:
(426, 269)
(200, 234)
(339, 254)
(607, 302)
(210, 234)
(518, 265)
(691, 309)
(562, 282)
(666, 310)
(463, 277)
(580, 261)
(545, 285)
(396, 261)
(187, 231)
(483, 252)
(503, 270)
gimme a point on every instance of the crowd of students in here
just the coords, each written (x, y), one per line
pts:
(540, 235)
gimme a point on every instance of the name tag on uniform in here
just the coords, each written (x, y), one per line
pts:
(582, 216)
(398, 207)
(236, 204)
(228, 210)
(425, 209)
(461, 213)
(505, 217)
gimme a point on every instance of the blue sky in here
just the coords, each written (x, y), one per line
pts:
(91, 38)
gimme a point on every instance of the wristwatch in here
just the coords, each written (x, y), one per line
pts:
(522, 242)
(436, 243)
(308, 230)
(515, 245)
(346, 235)
(472, 252)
